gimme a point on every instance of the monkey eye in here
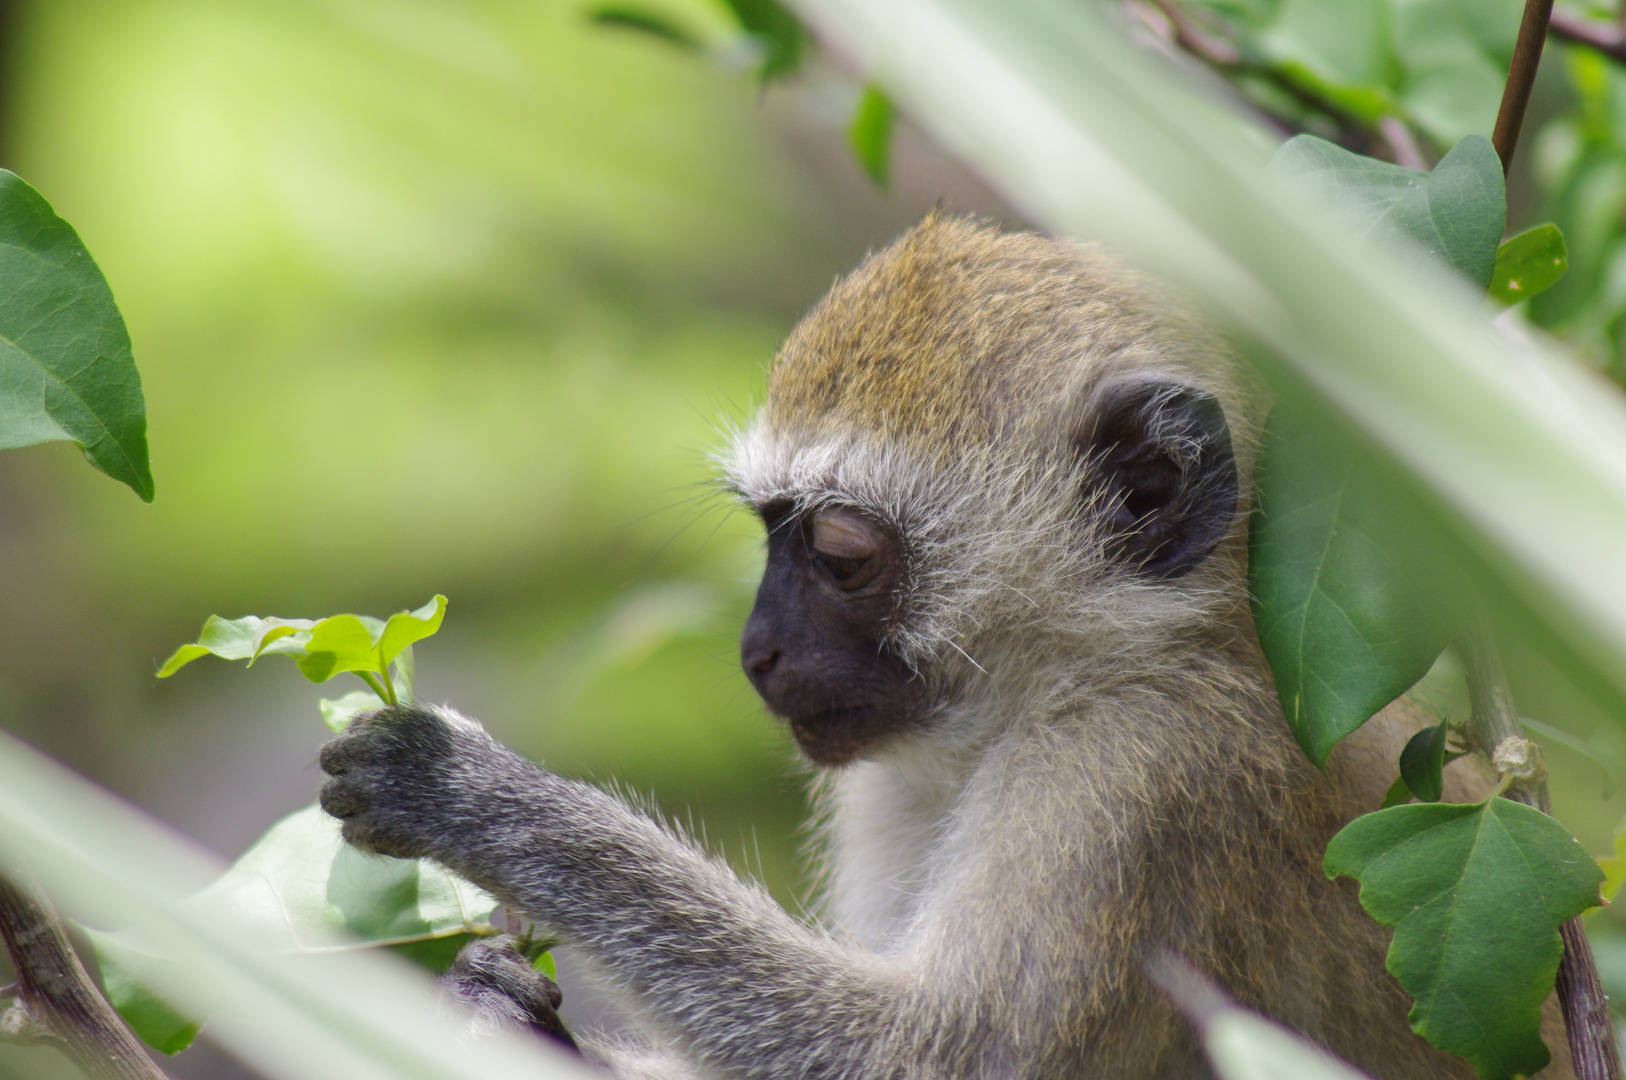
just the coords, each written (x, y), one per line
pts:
(845, 544)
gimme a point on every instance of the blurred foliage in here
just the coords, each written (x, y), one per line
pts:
(426, 296)
(1383, 77)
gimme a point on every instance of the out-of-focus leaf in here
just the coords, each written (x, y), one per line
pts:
(646, 21)
(1241, 1044)
(871, 134)
(1613, 865)
(304, 889)
(1457, 212)
(334, 1016)
(1350, 605)
(1476, 893)
(312, 891)
(337, 713)
(321, 648)
(784, 40)
(127, 976)
(1528, 263)
(1607, 760)
(66, 371)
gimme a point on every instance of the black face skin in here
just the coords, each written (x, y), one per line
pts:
(815, 644)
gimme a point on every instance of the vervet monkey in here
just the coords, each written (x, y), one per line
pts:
(1005, 610)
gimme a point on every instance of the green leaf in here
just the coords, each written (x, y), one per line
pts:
(871, 134)
(1613, 865)
(337, 713)
(1422, 763)
(66, 371)
(1528, 263)
(306, 891)
(127, 971)
(311, 891)
(1399, 794)
(645, 21)
(784, 40)
(1457, 212)
(1476, 894)
(1350, 599)
(545, 964)
(321, 648)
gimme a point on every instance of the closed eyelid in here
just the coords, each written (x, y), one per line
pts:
(844, 535)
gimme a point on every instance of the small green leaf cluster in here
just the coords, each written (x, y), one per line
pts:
(378, 650)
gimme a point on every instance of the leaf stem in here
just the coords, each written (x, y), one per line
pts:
(1580, 991)
(384, 690)
(1521, 76)
(54, 999)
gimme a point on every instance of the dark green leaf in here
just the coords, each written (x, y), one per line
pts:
(1351, 602)
(871, 134)
(127, 971)
(1422, 763)
(784, 41)
(1457, 212)
(1528, 263)
(1476, 894)
(66, 371)
(645, 21)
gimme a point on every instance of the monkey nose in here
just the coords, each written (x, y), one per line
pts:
(762, 662)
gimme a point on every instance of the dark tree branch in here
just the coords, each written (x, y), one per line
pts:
(1521, 76)
(54, 1000)
(1495, 729)
(1609, 39)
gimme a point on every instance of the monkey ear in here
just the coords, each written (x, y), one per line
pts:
(1162, 467)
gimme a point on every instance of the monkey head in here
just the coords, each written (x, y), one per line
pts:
(978, 439)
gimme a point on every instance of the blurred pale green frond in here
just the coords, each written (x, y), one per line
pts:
(345, 1016)
(1089, 137)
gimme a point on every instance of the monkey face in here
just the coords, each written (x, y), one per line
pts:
(815, 645)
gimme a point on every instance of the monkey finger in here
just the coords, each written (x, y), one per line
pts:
(345, 800)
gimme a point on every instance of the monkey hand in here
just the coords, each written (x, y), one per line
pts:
(496, 986)
(419, 782)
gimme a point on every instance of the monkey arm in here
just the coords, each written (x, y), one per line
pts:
(730, 977)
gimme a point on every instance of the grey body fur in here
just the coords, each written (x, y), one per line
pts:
(1104, 765)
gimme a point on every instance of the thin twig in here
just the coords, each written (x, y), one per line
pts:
(1521, 76)
(1492, 724)
(1604, 37)
(54, 999)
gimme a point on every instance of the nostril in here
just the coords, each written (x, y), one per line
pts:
(764, 664)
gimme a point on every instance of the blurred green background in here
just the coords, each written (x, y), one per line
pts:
(427, 297)
(458, 295)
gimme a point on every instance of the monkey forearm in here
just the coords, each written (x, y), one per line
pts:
(735, 981)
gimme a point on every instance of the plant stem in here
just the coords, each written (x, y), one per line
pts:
(384, 690)
(54, 999)
(1521, 76)
(1580, 992)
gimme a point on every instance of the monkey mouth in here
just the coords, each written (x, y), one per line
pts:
(839, 735)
